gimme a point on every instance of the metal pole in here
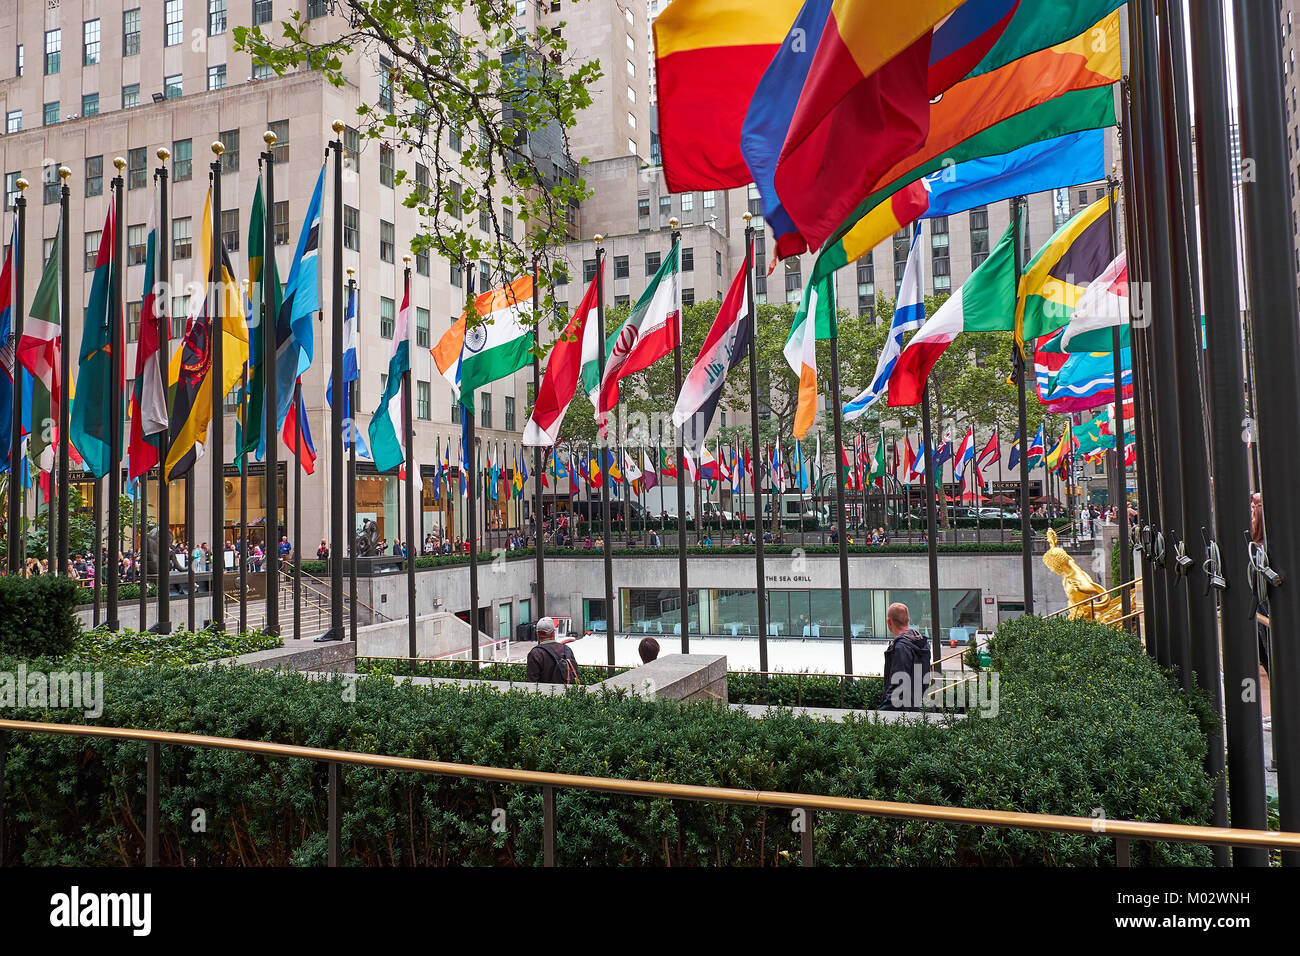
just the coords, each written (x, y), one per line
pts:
(1271, 255)
(1231, 486)
(189, 533)
(59, 548)
(351, 531)
(218, 436)
(605, 479)
(470, 452)
(162, 314)
(1022, 386)
(837, 414)
(539, 542)
(296, 552)
(17, 495)
(270, 400)
(101, 565)
(931, 518)
(760, 565)
(242, 552)
(408, 423)
(337, 501)
(142, 552)
(1120, 498)
(679, 442)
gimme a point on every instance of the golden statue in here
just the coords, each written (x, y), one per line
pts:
(1079, 587)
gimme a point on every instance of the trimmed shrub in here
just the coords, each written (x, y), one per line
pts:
(36, 616)
(102, 648)
(125, 592)
(502, 671)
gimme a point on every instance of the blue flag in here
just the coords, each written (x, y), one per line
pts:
(909, 315)
(351, 373)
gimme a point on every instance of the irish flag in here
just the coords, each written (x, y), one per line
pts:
(814, 320)
(986, 303)
(563, 369)
(499, 342)
(651, 331)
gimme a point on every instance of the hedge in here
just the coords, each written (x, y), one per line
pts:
(1086, 722)
(498, 671)
(103, 648)
(36, 615)
(125, 592)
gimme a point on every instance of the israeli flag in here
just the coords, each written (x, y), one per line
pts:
(909, 315)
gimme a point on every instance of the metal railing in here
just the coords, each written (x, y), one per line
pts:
(321, 592)
(1122, 832)
(1091, 602)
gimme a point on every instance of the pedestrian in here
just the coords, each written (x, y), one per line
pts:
(323, 552)
(550, 662)
(648, 649)
(907, 662)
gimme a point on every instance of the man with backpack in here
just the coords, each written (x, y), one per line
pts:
(551, 662)
(907, 662)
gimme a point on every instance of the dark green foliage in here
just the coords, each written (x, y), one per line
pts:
(36, 615)
(102, 648)
(125, 593)
(805, 690)
(375, 666)
(1086, 721)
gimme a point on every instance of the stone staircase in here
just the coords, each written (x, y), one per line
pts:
(314, 608)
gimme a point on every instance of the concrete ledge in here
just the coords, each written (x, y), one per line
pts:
(675, 677)
(336, 657)
(837, 714)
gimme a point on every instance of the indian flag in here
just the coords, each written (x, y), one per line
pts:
(497, 343)
(814, 320)
(985, 303)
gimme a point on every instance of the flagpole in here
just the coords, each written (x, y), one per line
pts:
(162, 315)
(470, 453)
(931, 518)
(1002, 537)
(1026, 525)
(270, 399)
(837, 416)
(59, 547)
(218, 437)
(760, 558)
(242, 552)
(408, 425)
(350, 533)
(539, 537)
(190, 544)
(101, 566)
(605, 480)
(17, 527)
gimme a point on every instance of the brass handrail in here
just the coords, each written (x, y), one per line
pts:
(1094, 598)
(1118, 830)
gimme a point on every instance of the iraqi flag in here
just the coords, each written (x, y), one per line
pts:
(563, 370)
(726, 345)
(985, 303)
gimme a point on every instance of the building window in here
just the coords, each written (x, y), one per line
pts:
(182, 238)
(174, 86)
(717, 261)
(665, 207)
(14, 121)
(485, 409)
(688, 297)
(131, 32)
(351, 228)
(979, 235)
(351, 149)
(386, 83)
(621, 270)
(262, 71)
(91, 247)
(53, 51)
(793, 278)
(18, 67)
(457, 275)
(174, 22)
(280, 223)
(688, 203)
(317, 8)
(453, 140)
(280, 151)
(137, 173)
(130, 96)
(422, 328)
(11, 189)
(622, 300)
(386, 165)
(484, 277)
(216, 17)
(50, 182)
(510, 413)
(484, 219)
(710, 200)
(386, 241)
(643, 208)
(132, 322)
(182, 160)
(217, 77)
(137, 244)
(47, 252)
(421, 183)
(90, 43)
(652, 261)
(387, 321)
(230, 229)
(230, 158)
(588, 271)
(455, 413)
(261, 12)
(51, 114)
(89, 104)
(94, 175)
(180, 315)
(423, 401)
(508, 224)
(688, 260)
(422, 262)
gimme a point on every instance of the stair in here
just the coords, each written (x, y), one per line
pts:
(314, 608)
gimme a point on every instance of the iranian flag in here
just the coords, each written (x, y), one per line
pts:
(650, 332)
(563, 369)
(985, 303)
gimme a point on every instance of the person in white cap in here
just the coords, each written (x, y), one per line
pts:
(551, 662)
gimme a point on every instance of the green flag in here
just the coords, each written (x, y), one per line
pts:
(878, 466)
(248, 424)
(93, 414)
(38, 353)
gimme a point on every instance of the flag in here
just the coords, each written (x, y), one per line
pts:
(944, 454)
(351, 373)
(1035, 452)
(648, 477)
(651, 331)
(877, 474)
(706, 469)
(296, 429)
(612, 469)
(709, 58)
(498, 341)
(864, 90)
(563, 371)
(631, 473)
(1055, 278)
(909, 315)
(7, 352)
(252, 413)
(667, 466)
(965, 455)
(991, 451)
(38, 353)
(1013, 455)
(1103, 306)
(909, 460)
(726, 345)
(1062, 446)
(813, 321)
(893, 463)
(918, 462)
(191, 365)
(777, 472)
(984, 303)
(148, 396)
(386, 443)
(594, 477)
(295, 320)
(1086, 380)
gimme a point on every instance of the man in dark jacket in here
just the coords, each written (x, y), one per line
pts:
(907, 662)
(550, 662)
